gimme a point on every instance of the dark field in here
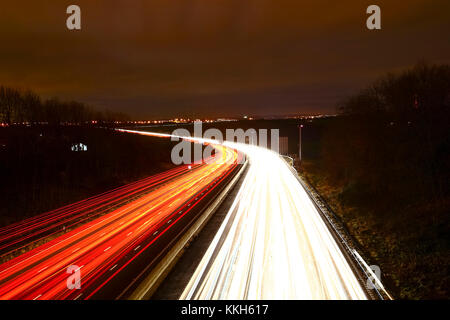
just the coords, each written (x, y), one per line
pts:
(39, 172)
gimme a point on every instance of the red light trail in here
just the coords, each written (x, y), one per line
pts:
(106, 243)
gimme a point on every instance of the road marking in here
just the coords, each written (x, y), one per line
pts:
(129, 233)
(43, 269)
(37, 297)
(113, 267)
(107, 249)
(155, 233)
(137, 248)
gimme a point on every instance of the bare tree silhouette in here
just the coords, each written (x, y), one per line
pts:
(18, 106)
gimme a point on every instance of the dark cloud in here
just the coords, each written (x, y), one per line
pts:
(226, 57)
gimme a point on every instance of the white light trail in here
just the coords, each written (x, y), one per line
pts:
(273, 243)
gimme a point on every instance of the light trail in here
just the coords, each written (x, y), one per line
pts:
(21, 234)
(105, 246)
(273, 243)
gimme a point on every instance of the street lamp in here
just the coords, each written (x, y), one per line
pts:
(300, 143)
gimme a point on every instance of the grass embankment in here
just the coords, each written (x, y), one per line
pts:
(410, 243)
(384, 167)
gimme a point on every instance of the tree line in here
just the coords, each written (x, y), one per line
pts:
(385, 162)
(420, 90)
(24, 106)
(394, 135)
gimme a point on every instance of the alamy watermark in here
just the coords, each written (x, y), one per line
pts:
(73, 21)
(374, 280)
(373, 22)
(182, 152)
(74, 280)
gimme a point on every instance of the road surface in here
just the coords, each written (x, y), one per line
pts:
(273, 243)
(105, 248)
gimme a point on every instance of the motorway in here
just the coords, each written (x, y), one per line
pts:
(35, 229)
(273, 243)
(106, 246)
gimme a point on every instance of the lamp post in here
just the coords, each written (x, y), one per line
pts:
(300, 143)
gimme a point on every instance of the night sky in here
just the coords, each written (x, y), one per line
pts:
(170, 58)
